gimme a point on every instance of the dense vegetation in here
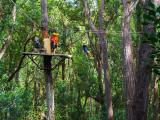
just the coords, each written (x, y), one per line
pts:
(119, 79)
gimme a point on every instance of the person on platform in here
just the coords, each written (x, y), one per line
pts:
(54, 41)
(37, 44)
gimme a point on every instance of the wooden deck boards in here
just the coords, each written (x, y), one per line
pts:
(45, 54)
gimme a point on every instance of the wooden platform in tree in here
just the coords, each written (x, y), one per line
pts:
(45, 54)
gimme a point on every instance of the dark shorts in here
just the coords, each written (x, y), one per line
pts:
(53, 46)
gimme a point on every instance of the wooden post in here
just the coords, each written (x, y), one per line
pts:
(46, 40)
(47, 63)
(49, 87)
(47, 45)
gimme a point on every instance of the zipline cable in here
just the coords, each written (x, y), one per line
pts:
(91, 31)
(24, 13)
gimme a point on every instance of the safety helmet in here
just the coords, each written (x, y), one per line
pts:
(84, 42)
(37, 33)
(55, 34)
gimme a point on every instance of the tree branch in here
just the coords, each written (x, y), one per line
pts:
(87, 15)
(11, 76)
(99, 99)
(133, 5)
(123, 2)
(17, 69)
(5, 45)
(60, 62)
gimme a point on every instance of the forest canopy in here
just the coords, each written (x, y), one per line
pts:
(79, 59)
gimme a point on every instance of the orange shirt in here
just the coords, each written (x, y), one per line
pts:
(54, 39)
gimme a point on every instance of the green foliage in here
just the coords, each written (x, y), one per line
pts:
(15, 104)
(24, 97)
(153, 17)
(73, 95)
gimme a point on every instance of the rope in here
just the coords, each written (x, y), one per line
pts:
(113, 32)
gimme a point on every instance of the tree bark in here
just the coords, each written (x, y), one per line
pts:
(103, 51)
(156, 100)
(47, 65)
(96, 52)
(35, 94)
(9, 38)
(143, 71)
(142, 83)
(108, 96)
(49, 88)
(127, 58)
(63, 70)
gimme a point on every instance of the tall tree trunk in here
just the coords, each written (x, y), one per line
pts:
(63, 69)
(35, 94)
(49, 87)
(127, 57)
(108, 96)
(9, 38)
(95, 49)
(156, 100)
(47, 65)
(99, 77)
(143, 71)
(96, 52)
(103, 52)
(142, 83)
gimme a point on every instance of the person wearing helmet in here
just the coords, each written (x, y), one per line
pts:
(85, 49)
(54, 41)
(37, 44)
